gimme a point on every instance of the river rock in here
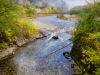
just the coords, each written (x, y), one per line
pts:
(66, 54)
(55, 37)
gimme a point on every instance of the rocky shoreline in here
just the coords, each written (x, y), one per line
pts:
(44, 29)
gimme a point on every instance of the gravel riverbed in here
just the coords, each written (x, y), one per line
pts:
(43, 28)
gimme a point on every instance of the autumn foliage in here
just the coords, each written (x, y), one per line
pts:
(87, 39)
(13, 23)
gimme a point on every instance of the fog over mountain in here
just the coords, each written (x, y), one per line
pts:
(64, 4)
(57, 3)
(72, 3)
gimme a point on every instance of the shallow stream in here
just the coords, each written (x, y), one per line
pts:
(39, 57)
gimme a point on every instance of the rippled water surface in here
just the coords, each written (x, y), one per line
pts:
(35, 58)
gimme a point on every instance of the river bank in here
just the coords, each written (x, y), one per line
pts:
(43, 30)
(39, 57)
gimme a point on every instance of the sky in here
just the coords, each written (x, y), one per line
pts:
(72, 3)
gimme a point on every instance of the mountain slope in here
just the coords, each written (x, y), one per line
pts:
(46, 3)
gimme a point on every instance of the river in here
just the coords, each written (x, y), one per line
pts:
(35, 58)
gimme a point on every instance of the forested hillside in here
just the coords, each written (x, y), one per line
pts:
(45, 3)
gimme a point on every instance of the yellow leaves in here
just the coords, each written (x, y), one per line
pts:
(86, 53)
(83, 61)
(31, 28)
(49, 10)
(55, 10)
(45, 11)
(27, 27)
(91, 56)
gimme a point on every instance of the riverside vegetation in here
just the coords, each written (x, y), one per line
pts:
(86, 38)
(14, 21)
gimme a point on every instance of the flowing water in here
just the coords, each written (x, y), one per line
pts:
(39, 57)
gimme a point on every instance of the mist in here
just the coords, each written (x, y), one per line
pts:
(63, 4)
(72, 3)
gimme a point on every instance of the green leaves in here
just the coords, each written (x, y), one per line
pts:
(80, 9)
(87, 25)
(13, 24)
(30, 11)
(88, 34)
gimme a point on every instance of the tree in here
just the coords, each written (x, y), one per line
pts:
(12, 23)
(87, 38)
(27, 4)
(55, 10)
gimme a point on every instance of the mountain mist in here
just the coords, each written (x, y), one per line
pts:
(63, 4)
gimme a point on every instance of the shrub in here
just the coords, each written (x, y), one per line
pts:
(12, 23)
(61, 16)
(87, 35)
(26, 27)
(30, 11)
